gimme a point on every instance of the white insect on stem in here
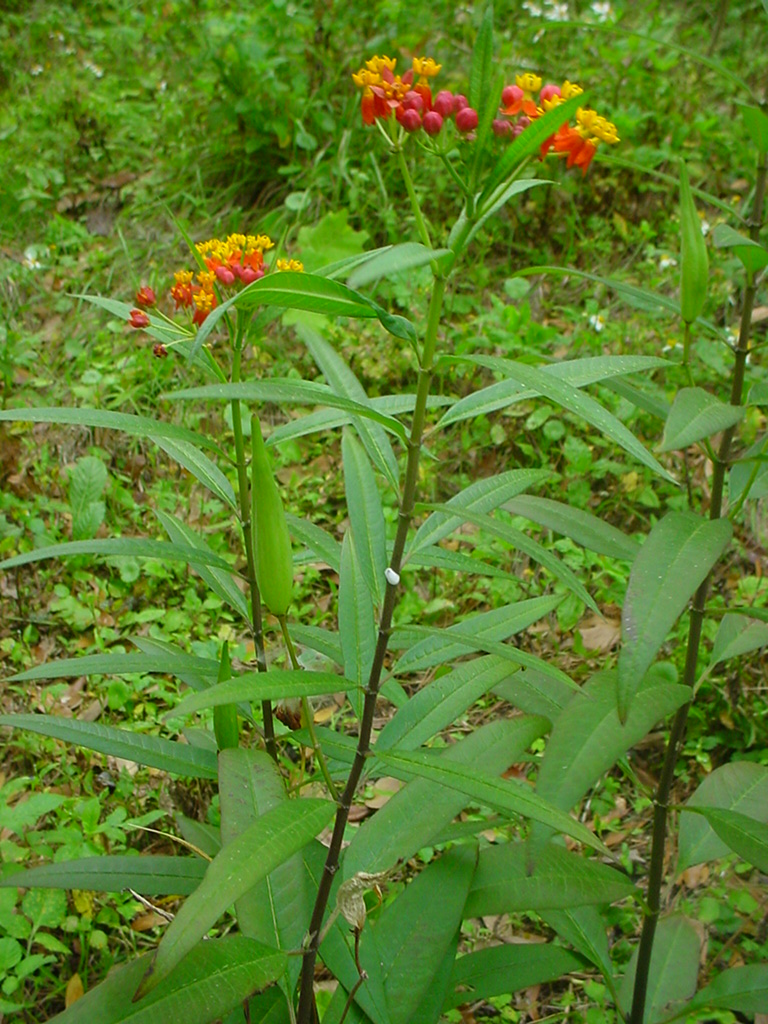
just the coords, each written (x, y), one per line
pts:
(392, 577)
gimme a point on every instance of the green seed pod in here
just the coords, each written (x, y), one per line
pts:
(694, 262)
(272, 542)
(225, 724)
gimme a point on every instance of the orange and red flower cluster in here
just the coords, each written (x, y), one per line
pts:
(579, 142)
(408, 98)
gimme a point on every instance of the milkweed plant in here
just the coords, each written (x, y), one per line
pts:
(308, 885)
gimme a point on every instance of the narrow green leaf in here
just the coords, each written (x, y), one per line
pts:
(149, 874)
(675, 559)
(277, 835)
(536, 693)
(165, 755)
(584, 929)
(756, 120)
(480, 496)
(502, 794)
(743, 835)
(200, 466)
(506, 969)
(221, 583)
(277, 684)
(737, 635)
(753, 255)
(414, 932)
(695, 415)
(321, 640)
(741, 989)
(135, 547)
(742, 787)
(480, 74)
(674, 968)
(343, 381)
(216, 977)
(495, 200)
(357, 622)
(289, 392)
(319, 542)
(395, 260)
(576, 523)
(446, 644)
(508, 879)
(120, 664)
(639, 298)
(422, 809)
(588, 736)
(748, 478)
(344, 267)
(458, 561)
(366, 516)
(136, 426)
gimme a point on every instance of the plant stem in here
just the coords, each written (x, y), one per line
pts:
(695, 625)
(385, 625)
(307, 711)
(420, 223)
(243, 495)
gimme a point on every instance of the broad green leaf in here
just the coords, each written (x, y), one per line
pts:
(742, 787)
(581, 526)
(753, 255)
(741, 989)
(135, 547)
(199, 834)
(561, 393)
(743, 835)
(357, 622)
(584, 929)
(498, 970)
(277, 909)
(737, 635)
(756, 120)
(166, 755)
(414, 932)
(577, 372)
(277, 684)
(695, 415)
(435, 706)
(588, 736)
(216, 976)
(444, 645)
(418, 813)
(339, 377)
(120, 664)
(200, 466)
(674, 968)
(321, 640)
(680, 551)
(366, 516)
(277, 835)
(520, 541)
(396, 260)
(505, 795)
(750, 471)
(480, 496)
(136, 426)
(289, 392)
(149, 874)
(509, 878)
(652, 402)
(87, 479)
(536, 692)
(221, 583)
(319, 542)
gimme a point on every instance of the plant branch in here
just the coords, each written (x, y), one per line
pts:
(695, 625)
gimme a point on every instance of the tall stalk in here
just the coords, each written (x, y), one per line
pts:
(405, 516)
(696, 622)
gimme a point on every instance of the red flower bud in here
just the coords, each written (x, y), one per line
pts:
(511, 94)
(459, 102)
(145, 297)
(411, 120)
(466, 119)
(501, 127)
(225, 275)
(548, 92)
(138, 319)
(433, 122)
(159, 350)
(248, 275)
(443, 103)
(413, 100)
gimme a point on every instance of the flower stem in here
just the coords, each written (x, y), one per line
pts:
(420, 222)
(243, 495)
(695, 625)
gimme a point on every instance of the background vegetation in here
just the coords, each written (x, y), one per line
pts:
(119, 117)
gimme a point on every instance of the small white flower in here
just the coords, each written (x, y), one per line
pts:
(36, 69)
(162, 87)
(667, 261)
(95, 70)
(671, 346)
(705, 227)
(597, 322)
(533, 9)
(556, 12)
(602, 10)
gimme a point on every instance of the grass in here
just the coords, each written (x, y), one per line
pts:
(121, 117)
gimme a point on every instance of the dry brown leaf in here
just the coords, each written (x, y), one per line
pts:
(693, 878)
(759, 313)
(599, 634)
(73, 991)
(383, 791)
(150, 919)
